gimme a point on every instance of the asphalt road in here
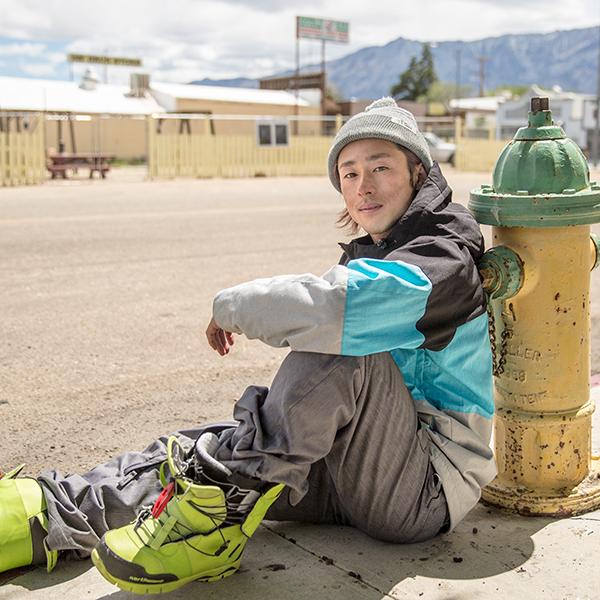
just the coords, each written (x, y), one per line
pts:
(107, 289)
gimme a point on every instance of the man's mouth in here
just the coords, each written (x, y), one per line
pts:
(367, 208)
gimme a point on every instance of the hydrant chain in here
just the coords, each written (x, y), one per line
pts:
(498, 362)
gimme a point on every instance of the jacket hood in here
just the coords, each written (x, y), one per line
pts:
(431, 213)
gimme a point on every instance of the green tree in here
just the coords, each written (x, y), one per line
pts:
(516, 90)
(417, 79)
(440, 91)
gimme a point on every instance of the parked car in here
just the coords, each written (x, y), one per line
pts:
(440, 150)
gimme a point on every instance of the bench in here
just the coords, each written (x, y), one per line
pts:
(61, 163)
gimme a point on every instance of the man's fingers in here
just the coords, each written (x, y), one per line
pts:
(218, 339)
(223, 347)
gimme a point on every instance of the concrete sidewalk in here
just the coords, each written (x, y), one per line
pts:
(491, 554)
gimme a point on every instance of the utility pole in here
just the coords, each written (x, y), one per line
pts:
(482, 60)
(457, 87)
(297, 86)
(323, 88)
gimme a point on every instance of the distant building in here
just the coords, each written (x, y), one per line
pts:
(478, 114)
(231, 101)
(92, 116)
(572, 111)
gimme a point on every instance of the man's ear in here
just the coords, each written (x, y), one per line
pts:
(418, 176)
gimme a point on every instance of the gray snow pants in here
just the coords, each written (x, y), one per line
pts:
(341, 432)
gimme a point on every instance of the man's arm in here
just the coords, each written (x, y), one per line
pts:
(364, 307)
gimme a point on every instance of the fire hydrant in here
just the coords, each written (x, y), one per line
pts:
(541, 205)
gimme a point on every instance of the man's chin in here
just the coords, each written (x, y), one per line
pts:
(377, 233)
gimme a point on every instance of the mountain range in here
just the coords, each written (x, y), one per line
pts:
(565, 58)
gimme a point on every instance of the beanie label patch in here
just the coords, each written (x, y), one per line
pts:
(401, 123)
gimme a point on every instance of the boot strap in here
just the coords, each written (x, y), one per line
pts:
(162, 533)
(259, 510)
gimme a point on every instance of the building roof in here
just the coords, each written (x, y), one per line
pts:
(216, 93)
(571, 103)
(485, 103)
(556, 92)
(25, 94)
(20, 93)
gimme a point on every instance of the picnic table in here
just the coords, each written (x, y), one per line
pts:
(60, 163)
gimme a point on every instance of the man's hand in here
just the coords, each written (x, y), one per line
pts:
(219, 339)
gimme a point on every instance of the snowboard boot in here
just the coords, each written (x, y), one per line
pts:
(23, 523)
(196, 530)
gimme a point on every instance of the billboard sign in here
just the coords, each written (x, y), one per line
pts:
(308, 81)
(105, 60)
(322, 29)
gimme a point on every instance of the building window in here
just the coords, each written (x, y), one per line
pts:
(273, 133)
(281, 134)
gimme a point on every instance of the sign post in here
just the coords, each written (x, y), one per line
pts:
(324, 30)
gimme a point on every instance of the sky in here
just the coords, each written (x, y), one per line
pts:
(185, 40)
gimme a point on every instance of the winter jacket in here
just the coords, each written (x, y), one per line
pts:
(417, 295)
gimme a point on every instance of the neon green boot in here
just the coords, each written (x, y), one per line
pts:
(22, 504)
(193, 532)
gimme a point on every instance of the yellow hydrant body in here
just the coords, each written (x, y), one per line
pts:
(541, 335)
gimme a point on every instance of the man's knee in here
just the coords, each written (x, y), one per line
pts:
(303, 362)
(303, 373)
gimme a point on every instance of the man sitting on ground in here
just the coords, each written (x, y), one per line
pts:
(378, 418)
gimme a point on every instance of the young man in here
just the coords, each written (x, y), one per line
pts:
(379, 418)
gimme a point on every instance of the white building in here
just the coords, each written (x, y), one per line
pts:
(570, 110)
(478, 114)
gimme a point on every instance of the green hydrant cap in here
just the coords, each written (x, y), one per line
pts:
(541, 179)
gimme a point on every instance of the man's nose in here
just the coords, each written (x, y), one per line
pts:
(365, 186)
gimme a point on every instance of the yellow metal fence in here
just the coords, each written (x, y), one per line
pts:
(22, 156)
(205, 155)
(476, 154)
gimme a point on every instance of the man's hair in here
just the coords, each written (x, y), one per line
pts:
(417, 178)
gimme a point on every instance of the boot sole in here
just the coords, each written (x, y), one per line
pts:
(161, 588)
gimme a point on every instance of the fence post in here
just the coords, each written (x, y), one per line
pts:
(149, 147)
(457, 142)
(338, 122)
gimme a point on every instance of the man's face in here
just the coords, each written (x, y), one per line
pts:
(376, 184)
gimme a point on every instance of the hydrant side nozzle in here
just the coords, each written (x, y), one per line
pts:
(502, 273)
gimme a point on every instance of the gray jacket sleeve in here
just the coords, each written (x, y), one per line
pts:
(304, 312)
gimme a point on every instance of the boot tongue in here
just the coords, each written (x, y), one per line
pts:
(206, 448)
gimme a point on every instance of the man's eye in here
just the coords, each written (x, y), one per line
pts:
(349, 175)
(380, 168)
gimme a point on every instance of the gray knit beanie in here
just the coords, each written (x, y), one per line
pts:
(385, 120)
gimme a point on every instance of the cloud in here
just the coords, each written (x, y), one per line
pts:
(181, 40)
(22, 49)
(56, 57)
(263, 5)
(39, 69)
